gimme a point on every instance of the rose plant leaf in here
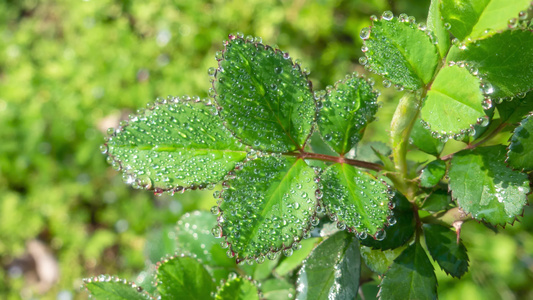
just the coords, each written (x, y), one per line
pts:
(292, 262)
(355, 199)
(345, 111)
(423, 140)
(472, 18)
(411, 276)
(175, 144)
(449, 110)
(106, 287)
(520, 154)
(332, 270)
(439, 200)
(504, 61)
(378, 260)
(267, 206)
(277, 289)
(485, 187)
(161, 242)
(400, 229)
(399, 51)
(264, 98)
(194, 238)
(435, 23)
(514, 111)
(443, 247)
(432, 173)
(237, 288)
(184, 276)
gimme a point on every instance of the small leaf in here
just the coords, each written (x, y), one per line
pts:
(520, 154)
(184, 276)
(332, 270)
(411, 276)
(471, 18)
(237, 288)
(439, 200)
(265, 98)
(400, 52)
(277, 289)
(443, 247)
(345, 111)
(111, 288)
(355, 199)
(401, 230)
(268, 206)
(504, 60)
(176, 144)
(294, 261)
(432, 173)
(378, 260)
(423, 140)
(435, 23)
(373, 152)
(194, 238)
(453, 103)
(485, 187)
(514, 111)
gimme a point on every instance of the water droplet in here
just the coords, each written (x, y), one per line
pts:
(387, 15)
(380, 235)
(386, 83)
(365, 33)
(448, 26)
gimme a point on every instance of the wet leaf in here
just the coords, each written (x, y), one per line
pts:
(485, 187)
(442, 245)
(237, 288)
(432, 173)
(520, 154)
(332, 270)
(277, 289)
(504, 61)
(295, 260)
(194, 237)
(514, 111)
(437, 201)
(471, 18)
(411, 276)
(345, 112)
(435, 23)
(422, 139)
(174, 145)
(400, 52)
(378, 260)
(355, 199)
(265, 98)
(454, 102)
(268, 206)
(401, 230)
(184, 276)
(111, 288)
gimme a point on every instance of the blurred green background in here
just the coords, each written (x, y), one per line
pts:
(69, 69)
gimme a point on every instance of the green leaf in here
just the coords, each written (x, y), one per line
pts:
(373, 152)
(401, 226)
(411, 276)
(514, 111)
(443, 247)
(295, 260)
(504, 61)
(332, 270)
(471, 18)
(432, 173)
(176, 144)
(184, 276)
(378, 260)
(423, 140)
(435, 23)
(237, 288)
(194, 238)
(437, 201)
(268, 206)
(112, 288)
(161, 243)
(277, 289)
(355, 199)
(399, 51)
(345, 111)
(265, 98)
(453, 103)
(485, 187)
(520, 154)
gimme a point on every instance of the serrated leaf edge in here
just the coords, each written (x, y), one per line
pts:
(511, 140)
(107, 278)
(233, 276)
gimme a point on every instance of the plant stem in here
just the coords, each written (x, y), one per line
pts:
(402, 123)
(337, 159)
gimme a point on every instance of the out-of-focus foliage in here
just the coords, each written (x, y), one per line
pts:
(71, 69)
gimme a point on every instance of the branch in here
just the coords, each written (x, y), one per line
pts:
(337, 159)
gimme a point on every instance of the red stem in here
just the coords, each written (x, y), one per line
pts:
(337, 159)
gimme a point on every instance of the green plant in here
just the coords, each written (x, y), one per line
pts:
(284, 156)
